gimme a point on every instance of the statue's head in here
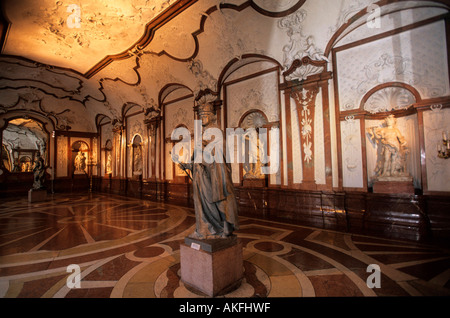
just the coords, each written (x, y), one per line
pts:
(206, 113)
(390, 120)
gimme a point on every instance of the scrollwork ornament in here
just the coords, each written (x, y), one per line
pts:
(436, 107)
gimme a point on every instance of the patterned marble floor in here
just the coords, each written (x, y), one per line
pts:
(128, 248)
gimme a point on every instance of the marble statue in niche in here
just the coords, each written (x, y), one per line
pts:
(80, 162)
(108, 156)
(26, 165)
(252, 163)
(392, 151)
(108, 163)
(137, 156)
(216, 209)
(39, 173)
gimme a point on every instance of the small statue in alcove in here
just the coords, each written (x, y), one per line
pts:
(80, 162)
(392, 150)
(137, 166)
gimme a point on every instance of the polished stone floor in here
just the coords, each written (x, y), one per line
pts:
(127, 248)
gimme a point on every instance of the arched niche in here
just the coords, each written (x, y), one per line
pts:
(80, 154)
(137, 155)
(253, 147)
(397, 100)
(24, 139)
(176, 103)
(389, 97)
(108, 156)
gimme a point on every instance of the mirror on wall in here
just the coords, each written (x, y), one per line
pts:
(23, 141)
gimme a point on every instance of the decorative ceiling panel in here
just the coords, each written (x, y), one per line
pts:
(77, 34)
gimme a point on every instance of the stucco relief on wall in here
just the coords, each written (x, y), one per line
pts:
(256, 93)
(388, 99)
(415, 57)
(299, 46)
(351, 153)
(438, 170)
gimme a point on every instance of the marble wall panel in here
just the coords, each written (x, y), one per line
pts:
(417, 57)
(351, 148)
(61, 156)
(438, 170)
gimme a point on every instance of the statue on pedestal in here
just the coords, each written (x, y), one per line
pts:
(216, 209)
(392, 151)
(39, 173)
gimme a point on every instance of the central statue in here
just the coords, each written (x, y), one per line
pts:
(216, 209)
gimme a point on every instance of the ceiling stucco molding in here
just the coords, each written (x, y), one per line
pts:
(57, 119)
(38, 19)
(222, 6)
(66, 85)
(82, 95)
(150, 29)
(263, 6)
(138, 51)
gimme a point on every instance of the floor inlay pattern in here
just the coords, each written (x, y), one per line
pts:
(127, 247)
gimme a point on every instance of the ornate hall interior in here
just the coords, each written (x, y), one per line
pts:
(333, 117)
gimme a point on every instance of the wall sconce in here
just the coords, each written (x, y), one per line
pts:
(444, 149)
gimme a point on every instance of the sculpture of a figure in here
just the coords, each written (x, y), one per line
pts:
(392, 153)
(109, 163)
(25, 166)
(39, 173)
(216, 209)
(80, 162)
(252, 168)
(137, 160)
(312, 51)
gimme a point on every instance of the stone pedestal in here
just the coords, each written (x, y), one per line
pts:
(37, 195)
(213, 267)
(406, 187)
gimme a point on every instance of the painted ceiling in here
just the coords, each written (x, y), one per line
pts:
(77, 34)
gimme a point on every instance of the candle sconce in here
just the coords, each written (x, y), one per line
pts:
(444, 149)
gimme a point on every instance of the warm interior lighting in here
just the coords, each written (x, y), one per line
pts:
(444, 148)
(76, 34)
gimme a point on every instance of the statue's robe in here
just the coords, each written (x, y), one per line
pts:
(216, 208)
